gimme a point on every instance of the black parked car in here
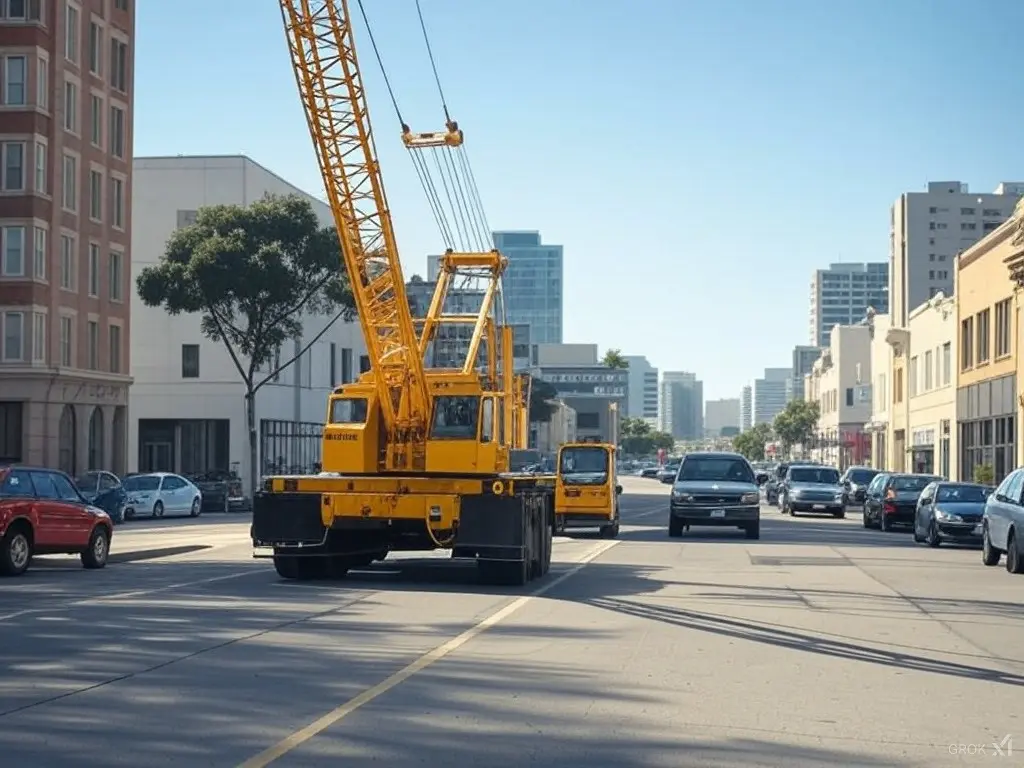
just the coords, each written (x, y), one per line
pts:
(104, 490)
(951, 512)
(775, 479)
(812, 489)
(856, 481)
(892, 499)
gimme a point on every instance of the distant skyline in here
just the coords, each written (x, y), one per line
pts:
(758, 140)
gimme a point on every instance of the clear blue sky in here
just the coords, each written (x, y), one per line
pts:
(696, 159)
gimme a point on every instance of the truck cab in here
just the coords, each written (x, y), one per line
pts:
(587, 489)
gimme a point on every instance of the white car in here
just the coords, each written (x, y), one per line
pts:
(159, 493)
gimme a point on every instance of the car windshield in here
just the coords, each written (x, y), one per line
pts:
(862, 476)
(968, 494)
(583, 460)
(824, 475)
(142, 483)
(716, 468)
(911, 483)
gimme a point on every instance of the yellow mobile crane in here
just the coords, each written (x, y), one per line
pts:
(414, 458)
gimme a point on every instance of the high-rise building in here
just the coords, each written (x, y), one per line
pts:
(771, 393)
(643, 390)
(721, 416)
(928, 229)
(803, 363)
(531, 285)
(65, 185)
(746, 408)
(841, 295)
(682, 405)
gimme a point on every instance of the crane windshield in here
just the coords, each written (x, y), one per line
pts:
(455, 417)
(348, 410)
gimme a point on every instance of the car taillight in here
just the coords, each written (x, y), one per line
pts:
(889, 507)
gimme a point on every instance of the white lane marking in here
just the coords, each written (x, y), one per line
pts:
(301, 736)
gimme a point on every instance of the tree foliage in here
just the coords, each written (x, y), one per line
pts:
(638, 438)
(613, 359)
(751, 443)
(796, 423)
(985, 474)
(252, 273)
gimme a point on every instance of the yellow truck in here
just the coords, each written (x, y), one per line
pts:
(586, 488)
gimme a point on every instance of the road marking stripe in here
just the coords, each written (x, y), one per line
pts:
(301, 736)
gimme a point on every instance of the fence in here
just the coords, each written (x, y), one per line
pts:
(290, 447)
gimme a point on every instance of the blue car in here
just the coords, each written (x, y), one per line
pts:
(104, 490)
(1002, 525)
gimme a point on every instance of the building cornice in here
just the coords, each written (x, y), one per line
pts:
(1015, 260)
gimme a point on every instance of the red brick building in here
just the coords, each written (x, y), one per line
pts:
(66, 86)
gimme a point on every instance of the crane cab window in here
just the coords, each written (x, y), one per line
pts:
(584, 465)
(455, 417)
(348, 410)
(487, 421)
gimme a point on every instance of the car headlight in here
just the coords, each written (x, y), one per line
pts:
(946, 517)
(750, 498)
(685, 498)
(840, 495)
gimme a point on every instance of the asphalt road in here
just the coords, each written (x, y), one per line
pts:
(821, 644)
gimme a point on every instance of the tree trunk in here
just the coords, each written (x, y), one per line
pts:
(250, 422)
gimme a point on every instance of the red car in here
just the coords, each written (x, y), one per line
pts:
(43, 513)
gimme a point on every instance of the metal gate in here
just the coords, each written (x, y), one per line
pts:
(290, 447)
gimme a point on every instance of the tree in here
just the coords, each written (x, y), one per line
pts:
(613, 359)
(751, 443)
(542, 393)
(984, 474)
(638, 438)
(252, 273)
(796, 422)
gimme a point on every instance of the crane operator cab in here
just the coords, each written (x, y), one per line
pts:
(586, 488)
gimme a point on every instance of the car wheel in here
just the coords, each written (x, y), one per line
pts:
(753, 530)
(96, 554)
(675, 527)
(1014, 561)
(16, 550)
(933, 535)
(883, 523)
(196, 508)
(158, 509)
(918, 538)
(989, 554)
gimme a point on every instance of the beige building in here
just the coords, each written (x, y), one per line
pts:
(932, 387)
(988, 322)
(878, 427)
(841, 385)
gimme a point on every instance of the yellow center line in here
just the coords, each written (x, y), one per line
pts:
(301, 736)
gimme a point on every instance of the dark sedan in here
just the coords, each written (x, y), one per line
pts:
(894, 502)
(950, 512)
(856, 481)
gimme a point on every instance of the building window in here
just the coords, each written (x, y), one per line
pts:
(67, 262)
(13, 244)
(39, 269)
(116, 129)
(947, 363)
(13, 170)
(121, 5)
(71, 33)
(70, 107)
(95, 195)
(42, 83)
(96, 120)
(119, 65)
(1003, 328)
(849, 397)
(69, 196)
(346, 365)
(983, 337)
(66, 328)
(115, 349)
(38, 337)
(41, 185)
(913, 376)
(93, 349)
(117, 202)
(15, 80)
(20, 10)
(190, 361)
(94, 270)
(929, 369)
(966, 344)
(14, 337)
(115, 275)
(95, 48)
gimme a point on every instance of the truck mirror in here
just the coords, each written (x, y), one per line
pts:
(618, 489)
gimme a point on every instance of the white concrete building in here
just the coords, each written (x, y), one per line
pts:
(932, 383)
(928, 229)
(877, 425)
(187, 410)
(746, 408)
(643, 390)
(721, 414)
(681, 405)
(841, 295)
(560, 429)
(843, 391)
(770, 394)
